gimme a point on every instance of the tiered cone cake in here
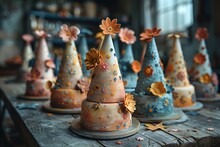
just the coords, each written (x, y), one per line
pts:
(176, 73)
(70, 89)
(202, 77)
(153, 96)
(129, 66)
(41, 72)
(28, 55)
(107, 107)
(82, 50)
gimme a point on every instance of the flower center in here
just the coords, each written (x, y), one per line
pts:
(150, 110)
(109, 29)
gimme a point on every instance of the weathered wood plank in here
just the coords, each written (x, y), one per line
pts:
(131, 141)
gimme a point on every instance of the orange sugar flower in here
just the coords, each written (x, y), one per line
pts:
(129, 103)
(28, 38)
(136, 66)
(201, 33)
(93, 58)
(127, 36)
(206, 78)
(148, 34)
(49, 84)
(110, 27)
(148, 71)
(158, 89)
(170, 68)
(199, 58)
(83, 85)
(49, 64)
(69, 33)
(33, 75)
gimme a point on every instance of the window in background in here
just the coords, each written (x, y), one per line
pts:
(174, 15)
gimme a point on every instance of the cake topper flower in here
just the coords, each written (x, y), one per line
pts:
(42, 33)
(49, 64)
(82, 85)
(127, 36)
(93, 58)
(158, 89)
(33, 75)
(206, 78)
(110, 27)
(201, 33)
(148, 71)
(136, 66)
(148, 34)
(129, 103)
(69, 33)
(170, 68)
(177, 35)
(50, 84)
(199, 58)
(28, 38)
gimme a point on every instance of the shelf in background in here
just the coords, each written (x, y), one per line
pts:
(82, 20)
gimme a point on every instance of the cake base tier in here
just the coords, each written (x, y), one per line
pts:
(150, 106)
(34, 98)
(195, 107)
(37, 88)
(210, 99)
(77, 128)
(176, 117)
(104, 117)
(184, 96)
(48, 108)
(204, 90)
(66, 98)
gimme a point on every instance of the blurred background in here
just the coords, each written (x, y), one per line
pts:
(19, 17)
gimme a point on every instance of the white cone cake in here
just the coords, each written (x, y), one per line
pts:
(28, 55)
(176, 73)
(202, 77)
(107, 107)
(70, 89)
(42, 70)
(129, 66)
(154, 101)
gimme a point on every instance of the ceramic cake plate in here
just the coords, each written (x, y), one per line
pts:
(37, 98)
(78, 129)
(176, 117)
(195, 107)
(48, 108)
(217, 98)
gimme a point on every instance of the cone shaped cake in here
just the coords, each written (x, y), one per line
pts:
(107, 107)
(202, 77)
(153, 96)
(176, 73)
(129, 66)
(70, 88)
(41, 71)
(82, 50)
(27, 56)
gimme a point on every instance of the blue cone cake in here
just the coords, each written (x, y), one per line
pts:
(83, 49)
(202, 77)
(152, 95)
(129, 67)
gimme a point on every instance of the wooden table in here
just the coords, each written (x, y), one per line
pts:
(44, 129)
